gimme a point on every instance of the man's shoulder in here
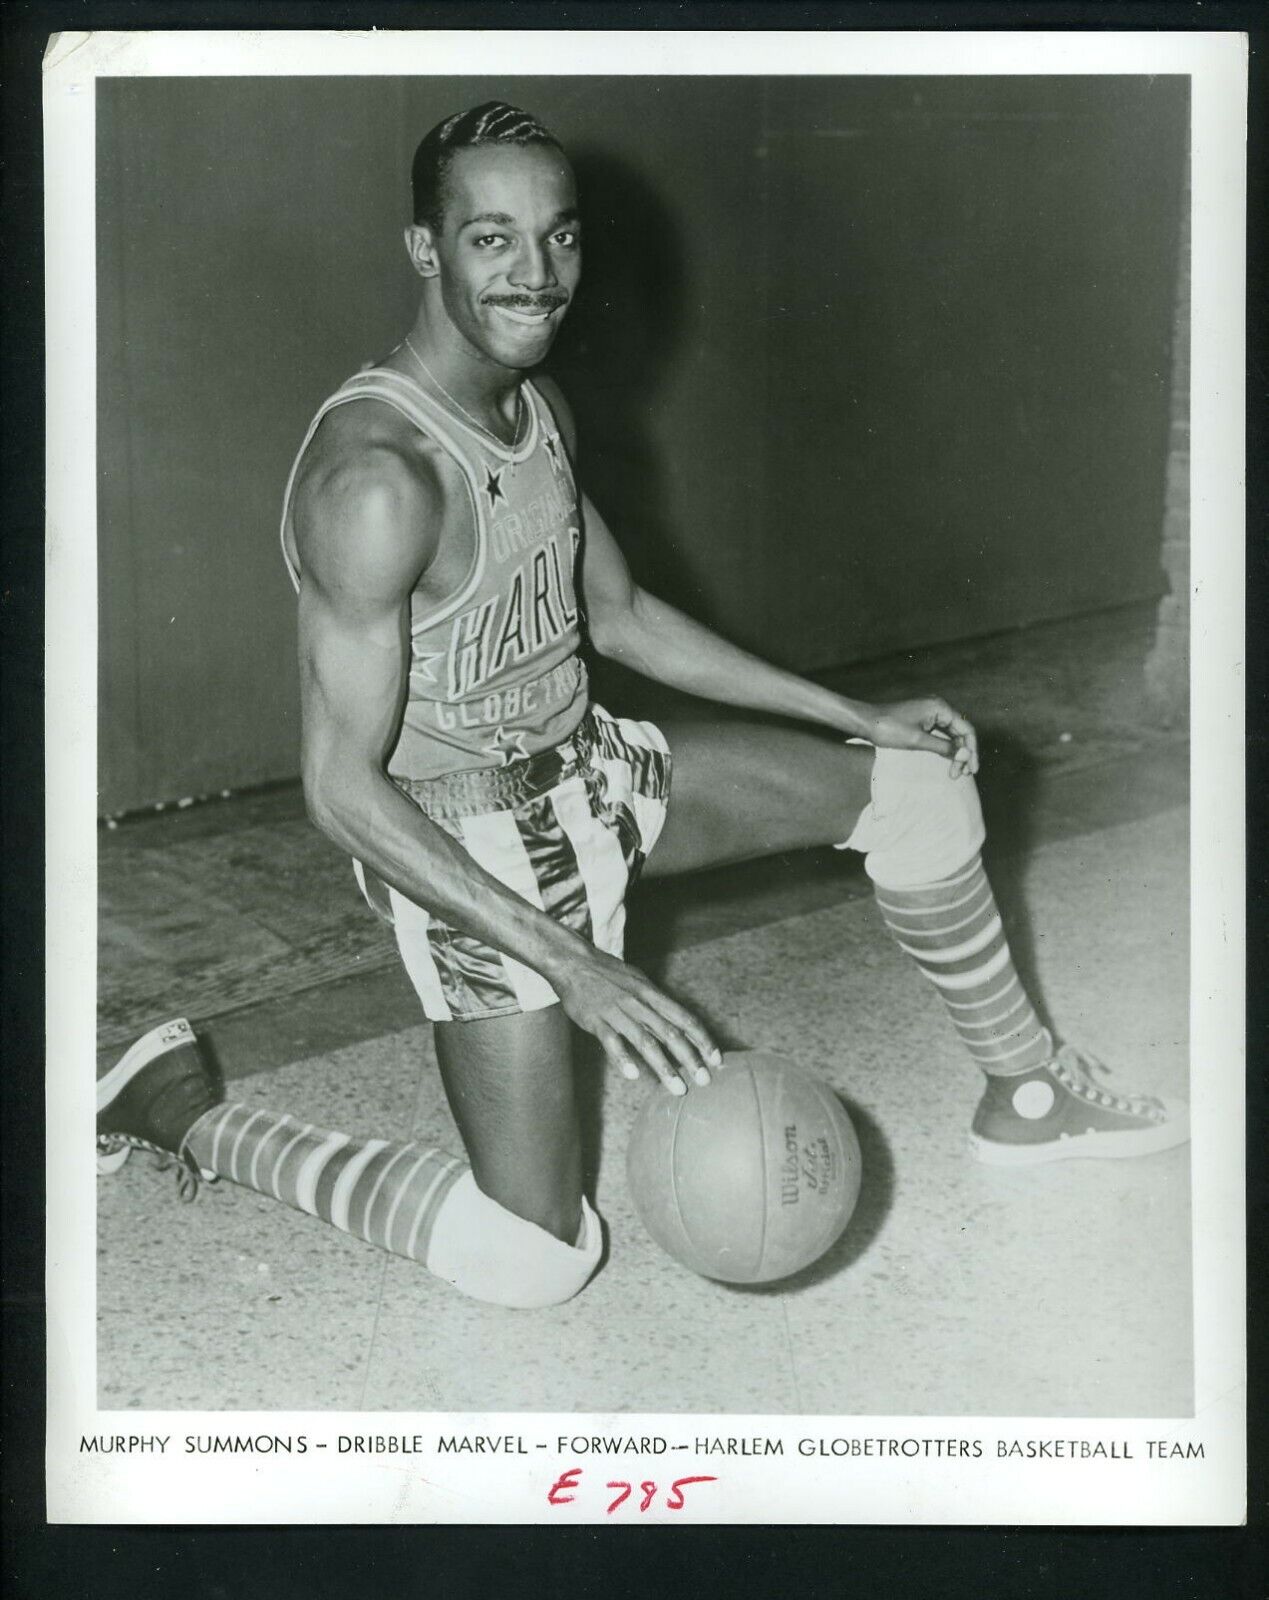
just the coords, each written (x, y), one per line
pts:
(367, 457)
(370, 491)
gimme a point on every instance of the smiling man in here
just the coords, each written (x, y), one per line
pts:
(445, 561)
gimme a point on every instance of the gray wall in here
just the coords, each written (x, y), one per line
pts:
(860, 364)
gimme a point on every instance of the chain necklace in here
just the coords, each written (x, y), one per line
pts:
(475, 421)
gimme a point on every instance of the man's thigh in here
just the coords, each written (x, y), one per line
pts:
(509, 1081)
(745, 789)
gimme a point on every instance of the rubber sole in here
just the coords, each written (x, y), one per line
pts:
(1087, 1146)
(109, 1161)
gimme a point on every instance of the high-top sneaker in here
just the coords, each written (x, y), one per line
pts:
(150, 1100)
(1058, 1111)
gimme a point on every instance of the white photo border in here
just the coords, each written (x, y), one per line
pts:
(794, 1489)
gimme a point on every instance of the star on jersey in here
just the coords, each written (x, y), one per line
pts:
(493, 486)
(552, 443)
(510, 746)
(421, 666)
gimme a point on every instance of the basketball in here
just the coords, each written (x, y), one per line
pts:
(750, 1178)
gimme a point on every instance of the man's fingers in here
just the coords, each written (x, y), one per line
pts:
(941, 715)
(962, 753)
(615, 1048)
(967, 755)
(627, 1043)
(932, 725)
(680, 1029)
(688, 1059)
(649, 1049)
(960, 730)
(967, 752)
(673, 1039)
(625, 1064)
(641, 1029)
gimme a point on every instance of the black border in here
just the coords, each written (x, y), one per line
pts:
(1224, 1564)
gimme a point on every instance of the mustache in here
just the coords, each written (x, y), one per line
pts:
(527, 302)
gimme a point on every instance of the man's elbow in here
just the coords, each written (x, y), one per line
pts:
(611, 631)
(328, 801)
(319, 802)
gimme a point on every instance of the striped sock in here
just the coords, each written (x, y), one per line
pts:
(953, 931)
(386, 1193)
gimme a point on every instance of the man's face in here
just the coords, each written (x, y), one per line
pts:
(509, 253)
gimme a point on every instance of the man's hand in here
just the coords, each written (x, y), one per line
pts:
(926, 724)
(634, 1022)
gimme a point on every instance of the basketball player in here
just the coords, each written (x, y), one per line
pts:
(447, 565)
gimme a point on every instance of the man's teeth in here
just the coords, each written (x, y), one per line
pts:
(531, 317)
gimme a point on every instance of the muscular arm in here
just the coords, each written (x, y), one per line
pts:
(364, 536)
(365, 532)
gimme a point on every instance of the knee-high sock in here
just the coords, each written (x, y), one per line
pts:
(409, 1199)
(386, 1193)
(952, 930)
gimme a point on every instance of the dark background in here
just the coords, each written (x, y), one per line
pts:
(859, 364)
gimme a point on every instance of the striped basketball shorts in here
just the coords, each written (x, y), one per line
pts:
(568, 830)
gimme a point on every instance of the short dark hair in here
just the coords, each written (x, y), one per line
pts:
(495, 122)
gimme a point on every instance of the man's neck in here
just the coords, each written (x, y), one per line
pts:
(483, 390)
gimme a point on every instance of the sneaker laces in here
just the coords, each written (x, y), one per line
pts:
(186, 1170)
(1076, 1070)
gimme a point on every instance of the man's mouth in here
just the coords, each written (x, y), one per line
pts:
(527, 313)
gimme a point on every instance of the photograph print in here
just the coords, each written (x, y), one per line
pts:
(644, 745)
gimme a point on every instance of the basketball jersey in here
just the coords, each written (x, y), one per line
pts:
(495, 673)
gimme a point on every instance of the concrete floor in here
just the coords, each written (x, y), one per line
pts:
(955, 1290)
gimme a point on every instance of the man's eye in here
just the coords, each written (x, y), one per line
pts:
(488, 239)
(567, 239)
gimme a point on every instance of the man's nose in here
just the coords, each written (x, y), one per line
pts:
(533, 268)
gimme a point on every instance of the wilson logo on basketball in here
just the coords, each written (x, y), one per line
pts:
(814, 1166)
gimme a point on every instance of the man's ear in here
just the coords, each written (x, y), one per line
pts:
(420, 246)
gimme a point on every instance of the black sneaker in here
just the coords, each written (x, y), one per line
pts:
(152, 1098)
(1059, 1113)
